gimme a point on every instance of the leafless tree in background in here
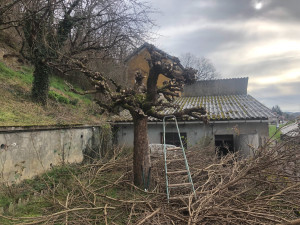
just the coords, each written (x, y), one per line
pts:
(87, 30)
(206, 69)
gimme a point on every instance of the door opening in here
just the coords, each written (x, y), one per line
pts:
(224, 144)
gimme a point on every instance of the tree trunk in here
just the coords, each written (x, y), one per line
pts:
(40, 85)
(141, 153)
(152, 95)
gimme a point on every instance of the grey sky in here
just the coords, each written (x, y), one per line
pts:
(241, 40)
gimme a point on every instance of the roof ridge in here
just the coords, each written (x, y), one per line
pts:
(233, 78)
(196, 96)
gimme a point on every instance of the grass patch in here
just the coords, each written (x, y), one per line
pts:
(59, 84)
(58, 97)
(273, 132)
(24, 76)
(32, 209)
(52, 177)
(64, 106)
(4, 201)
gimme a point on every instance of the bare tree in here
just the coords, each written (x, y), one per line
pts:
(204, 66)
(77, 29)
(7, 17)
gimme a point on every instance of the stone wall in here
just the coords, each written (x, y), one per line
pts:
(28, 151)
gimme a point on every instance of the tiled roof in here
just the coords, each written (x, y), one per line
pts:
(225, 107)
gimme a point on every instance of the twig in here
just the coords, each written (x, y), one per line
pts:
(105, 214)
(148, 217)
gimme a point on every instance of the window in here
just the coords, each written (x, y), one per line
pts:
(224, 144)
(173, 139)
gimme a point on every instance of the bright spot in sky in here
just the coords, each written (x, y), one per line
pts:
(258, 5)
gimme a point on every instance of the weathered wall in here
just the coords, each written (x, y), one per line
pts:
(248, 144)
(27, 152)
(244, 133)
(234, 86)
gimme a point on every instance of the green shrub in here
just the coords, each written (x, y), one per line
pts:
(58, 97)
(74, 101)
(60, 174)
(4, 200)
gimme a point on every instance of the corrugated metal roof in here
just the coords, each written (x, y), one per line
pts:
(225, 107)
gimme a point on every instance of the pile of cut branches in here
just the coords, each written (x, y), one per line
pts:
(261, 189)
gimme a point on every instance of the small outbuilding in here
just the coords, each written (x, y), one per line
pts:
(237, 121)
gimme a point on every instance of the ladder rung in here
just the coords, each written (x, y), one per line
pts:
(179, 185)
(180, 197)
(178, 171)
(174, 160)
(174, 149)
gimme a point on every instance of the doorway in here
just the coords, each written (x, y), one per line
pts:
(224, 144)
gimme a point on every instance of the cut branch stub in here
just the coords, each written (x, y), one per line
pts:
(139, 86)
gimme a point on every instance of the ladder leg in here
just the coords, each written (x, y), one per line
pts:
(185, 159)
(165, 157)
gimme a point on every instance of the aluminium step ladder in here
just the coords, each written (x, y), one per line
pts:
(171, 157)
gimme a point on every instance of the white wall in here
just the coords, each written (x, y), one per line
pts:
(197, 133)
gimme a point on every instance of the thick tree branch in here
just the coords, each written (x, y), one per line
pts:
(71, 88)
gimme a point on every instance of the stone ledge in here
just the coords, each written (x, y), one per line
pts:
(9, 129)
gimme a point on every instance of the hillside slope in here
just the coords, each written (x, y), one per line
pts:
(64, 107)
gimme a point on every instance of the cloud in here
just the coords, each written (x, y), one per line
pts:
(277, 94)
(240, 40)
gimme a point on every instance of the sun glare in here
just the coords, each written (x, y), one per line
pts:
(258, 5)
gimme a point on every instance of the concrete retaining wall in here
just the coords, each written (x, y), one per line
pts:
(26, 152)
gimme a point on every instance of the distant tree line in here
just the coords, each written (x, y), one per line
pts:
(285, 115)
(276, 109)
(205, 68)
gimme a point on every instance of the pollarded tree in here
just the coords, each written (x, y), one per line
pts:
(142, 100)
